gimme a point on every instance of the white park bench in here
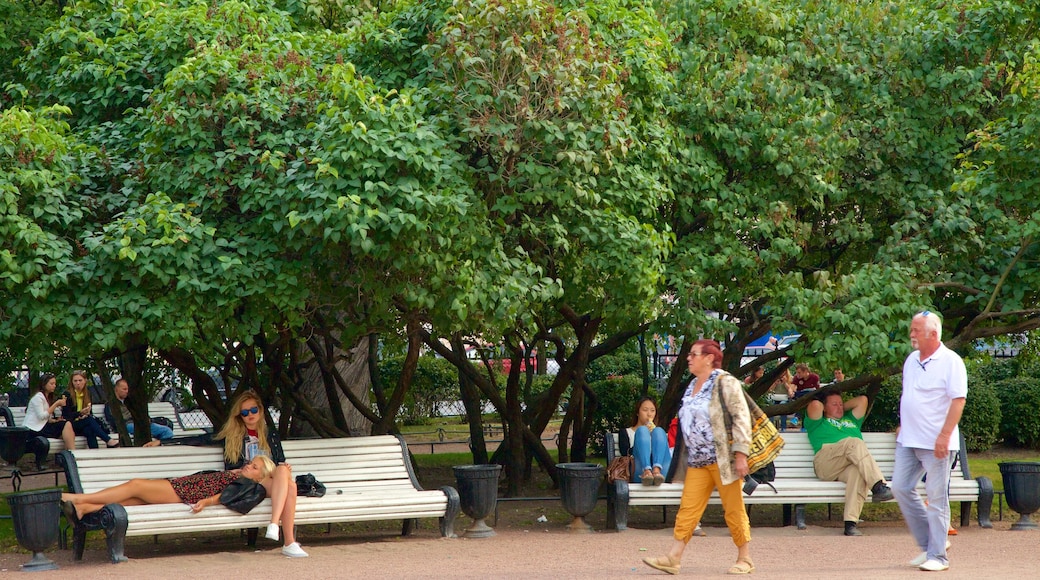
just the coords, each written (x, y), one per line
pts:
(367, 478)
(15, 416)
(797, 485)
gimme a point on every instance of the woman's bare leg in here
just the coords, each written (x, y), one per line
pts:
(289, 511)
(68, 436)
(133, 492)
(282, 489)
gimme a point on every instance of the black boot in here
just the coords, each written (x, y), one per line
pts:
(852, 530)
(880, 492)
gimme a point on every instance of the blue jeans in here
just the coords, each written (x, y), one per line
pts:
(928, 524)
(160, 432)
(650, 450)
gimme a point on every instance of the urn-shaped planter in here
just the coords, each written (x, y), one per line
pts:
(35, 516)
(478, 495)
(1022, 490)
(12, 443)
(579, 490)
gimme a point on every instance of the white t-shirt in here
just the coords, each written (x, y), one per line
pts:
(251, 448)
(929, 387)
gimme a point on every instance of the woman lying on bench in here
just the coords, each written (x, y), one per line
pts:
(199, 490)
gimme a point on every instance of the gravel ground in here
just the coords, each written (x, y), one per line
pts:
(526, 548)
(553, 552)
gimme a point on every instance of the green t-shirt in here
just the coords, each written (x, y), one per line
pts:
(824, 431)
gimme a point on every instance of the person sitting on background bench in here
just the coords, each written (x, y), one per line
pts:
(198, 490)
(39, 414)
(647, 443)
(122, 389)
(77, 411)
(833, 427)
(805, 381)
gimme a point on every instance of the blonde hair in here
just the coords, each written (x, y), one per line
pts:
(266, 466)
(234, 430)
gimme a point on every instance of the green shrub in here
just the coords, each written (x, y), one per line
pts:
(1019, 404)
(435, 381)
(621, 362)
(990, 370)
(980, 423)
(617, 399)
(884, 414)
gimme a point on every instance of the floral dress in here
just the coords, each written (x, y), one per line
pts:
(197, 487)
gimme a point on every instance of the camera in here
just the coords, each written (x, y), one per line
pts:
(749, 484)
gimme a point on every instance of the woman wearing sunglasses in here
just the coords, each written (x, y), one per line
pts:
(246, 436)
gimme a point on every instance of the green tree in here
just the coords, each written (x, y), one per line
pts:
(816, 192)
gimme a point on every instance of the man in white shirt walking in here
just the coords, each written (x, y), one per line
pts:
(935, 388)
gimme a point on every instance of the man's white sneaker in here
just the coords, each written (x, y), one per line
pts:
(293, 550)
(934, 566)
(923, 557)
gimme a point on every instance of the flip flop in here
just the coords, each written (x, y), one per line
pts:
(663, 564)
(658, 479)
(741, 567)
(647, 478)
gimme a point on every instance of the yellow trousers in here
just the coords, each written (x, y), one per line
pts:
(697, 488)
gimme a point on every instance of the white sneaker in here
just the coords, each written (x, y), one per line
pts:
(293, 550)
(272, 532)
(934, 566)
(923, 557)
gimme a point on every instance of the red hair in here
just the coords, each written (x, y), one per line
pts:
(709, 346)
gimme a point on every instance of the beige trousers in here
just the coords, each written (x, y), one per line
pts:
(849, 461)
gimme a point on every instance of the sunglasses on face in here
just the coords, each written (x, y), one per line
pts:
(253, 410)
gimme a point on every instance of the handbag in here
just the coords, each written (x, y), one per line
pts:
(242, 495)
(766, 441)
(308, 486)
(620, 468)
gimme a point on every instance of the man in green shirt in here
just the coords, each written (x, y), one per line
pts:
(833, 427)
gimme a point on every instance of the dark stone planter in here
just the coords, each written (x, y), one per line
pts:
(579, 491)
(12, 443)
(35, 516)
(1022, 490)
(478, 494)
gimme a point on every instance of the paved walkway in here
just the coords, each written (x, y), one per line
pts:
(548, 551)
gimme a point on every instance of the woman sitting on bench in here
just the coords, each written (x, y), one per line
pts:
(39, 414)
(199, 490)
(246, 436)
(647, 443)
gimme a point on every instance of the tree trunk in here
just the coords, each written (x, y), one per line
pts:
(324, 380)
(132, 362)
(474, 410)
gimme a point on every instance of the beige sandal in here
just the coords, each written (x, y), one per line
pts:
(648, 477)
(663, 564)
(741, 567)
(658, 477)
